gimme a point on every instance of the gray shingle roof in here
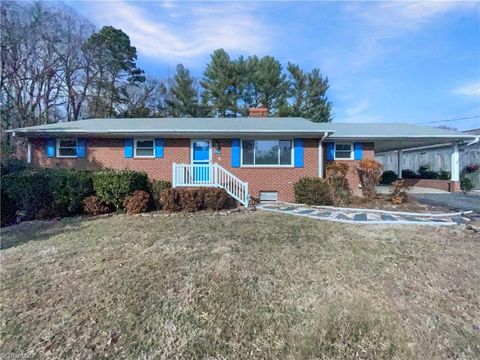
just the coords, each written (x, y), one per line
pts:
(230, 127)
(181, 126)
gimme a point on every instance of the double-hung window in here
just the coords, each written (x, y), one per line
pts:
(343, 151)
(144, 148)
(267, 153)
(66, 148)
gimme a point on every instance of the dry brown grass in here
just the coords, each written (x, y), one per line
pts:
(254, 285)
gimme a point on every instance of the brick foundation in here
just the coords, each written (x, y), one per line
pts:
(445, 185)
(108, 153)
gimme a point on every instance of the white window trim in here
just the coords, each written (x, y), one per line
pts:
(143, 156)
(352, 154)
(291, 165)
(57, 148)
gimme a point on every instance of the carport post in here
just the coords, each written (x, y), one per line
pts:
(399, 163)
(455, 159)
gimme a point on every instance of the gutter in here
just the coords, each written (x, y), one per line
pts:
(368, 137)
(320, 152)
(428, 147)
(168, 131)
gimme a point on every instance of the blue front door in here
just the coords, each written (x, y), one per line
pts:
(201, 156)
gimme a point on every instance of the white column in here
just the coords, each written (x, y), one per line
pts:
(455, 159)
(173, 176)
(29, 152)
(399, 163)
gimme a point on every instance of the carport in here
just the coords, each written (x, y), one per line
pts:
(402, 136)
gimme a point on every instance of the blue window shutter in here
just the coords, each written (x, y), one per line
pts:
(81, 148)
(159, 148)
(235, 153)
(298, 152)
(128, 148)
(330, 151)
(358, 151)
(50, 148)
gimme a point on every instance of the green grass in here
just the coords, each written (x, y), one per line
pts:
(253, 285)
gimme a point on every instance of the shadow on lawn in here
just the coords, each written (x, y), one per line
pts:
(38, 230)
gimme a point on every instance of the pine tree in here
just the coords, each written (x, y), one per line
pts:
(182, 99)
(297, 89)
(218, 84)
(114, 63)
(317, 106)
(269, 84)
(307, 95)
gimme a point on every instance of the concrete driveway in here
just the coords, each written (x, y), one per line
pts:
(457, 201)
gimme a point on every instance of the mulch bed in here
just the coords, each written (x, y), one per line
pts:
(382, 202)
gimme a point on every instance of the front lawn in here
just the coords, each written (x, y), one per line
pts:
(253, 285)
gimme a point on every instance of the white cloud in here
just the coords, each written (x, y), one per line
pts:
(406, 15)
(357, 109)
(359, 119)
(383, 23)
(470, 89)
(359, 113)
(194, 30)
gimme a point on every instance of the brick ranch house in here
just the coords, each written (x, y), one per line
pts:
(255, 156)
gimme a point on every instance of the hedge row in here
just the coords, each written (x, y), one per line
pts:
(47, 193)
(194, 199)
(41, 194)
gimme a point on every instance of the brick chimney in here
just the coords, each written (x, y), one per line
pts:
(258, 112)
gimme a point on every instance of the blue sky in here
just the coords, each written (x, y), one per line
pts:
(386, 61)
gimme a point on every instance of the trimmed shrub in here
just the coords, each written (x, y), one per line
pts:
(369, 172)
(466, 184)
(94, 205)
(191, 199)
(388, 177)
(8, 209)
(424, 172)
(48, 193)
(444, 175)
(137, 202)
(399, 192)
(12, 165)
(30, 190)
(409, 174)
(313, 191)
(471, 168)
(156, 188)
(214, 198)
(337, 179)
(170, 200)
(114, 186)
(68, 188)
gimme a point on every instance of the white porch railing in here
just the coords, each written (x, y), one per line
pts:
(212, 175)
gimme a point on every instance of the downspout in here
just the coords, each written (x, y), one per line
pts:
(320, 154)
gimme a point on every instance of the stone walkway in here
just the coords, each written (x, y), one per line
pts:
(366, 216)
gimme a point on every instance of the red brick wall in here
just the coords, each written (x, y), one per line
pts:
(108, 153)
(279, 179)
(445, 185)
(352, 176)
